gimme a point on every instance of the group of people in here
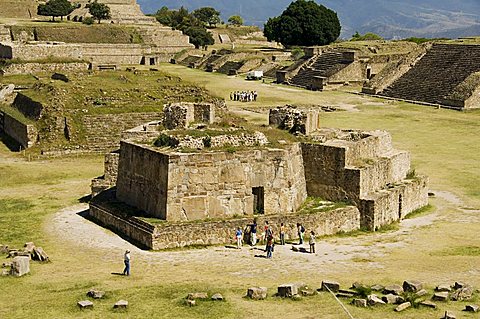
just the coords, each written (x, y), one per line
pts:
(268, 236)
(244, 96)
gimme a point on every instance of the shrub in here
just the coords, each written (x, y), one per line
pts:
(88, 21)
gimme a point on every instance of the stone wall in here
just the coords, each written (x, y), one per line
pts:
(23, 68)
(143, 179)
(173, 235)
(210, 185)
(109, 179)
(294, 120)
(25, 134)
(181, 115)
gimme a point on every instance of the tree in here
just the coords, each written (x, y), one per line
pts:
(304, 23)
(207, 15)
(235, 20)
(55, 8)
(199, 36)
(100, 11)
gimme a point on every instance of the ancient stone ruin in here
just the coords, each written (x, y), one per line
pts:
(440, 74)
(182, 188)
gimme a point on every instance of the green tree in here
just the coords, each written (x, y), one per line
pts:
(55, 8)
(304, 23)
(207, 15)
(235, 20)
(100, 11)
(199, 36)
(186, 22)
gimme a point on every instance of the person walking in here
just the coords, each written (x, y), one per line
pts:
(238, 236)
(301, 233)
(282, 234)
(311, 241)
(253, 233)
(126, 261)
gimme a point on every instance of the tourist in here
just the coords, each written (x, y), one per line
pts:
(253, 233)
(301, 233)
(238, 236)
(270, 244)
(282, 234)
(126, 261)
(266, 231)
(312, 242)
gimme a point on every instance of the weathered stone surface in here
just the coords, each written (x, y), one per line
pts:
(257, 293)
(393, 289)
(393, 299)
(217, 297)
(20, 266)
(191, 303)
(403, 306)
(5, 272)
(443, 287)
(440, 296)
(462, 294)
(28, 247)
(121, 304)
(373, 300)
(197, 295)
(472, 308)
(307, 292)
(5, 91)
(449, 315)
(348, 292)
(377, 287)
(288, 290)
(421, 293)
(39, 254)
(85, 304)
(429, 304)
(359, 303)
(7, 264)
(331, 285)
(95, 294)
(412, 285)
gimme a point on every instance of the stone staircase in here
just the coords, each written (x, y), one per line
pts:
(104, 132)
(5, 35)
(161, 36)
(191, 60)
(230, 65)
(436, 74)
(324, 65)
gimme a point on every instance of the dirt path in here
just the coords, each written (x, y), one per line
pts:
(69, 226)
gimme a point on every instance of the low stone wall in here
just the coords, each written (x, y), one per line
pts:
(28, 107)
(26, 135)
(23, 68)
(172, 235)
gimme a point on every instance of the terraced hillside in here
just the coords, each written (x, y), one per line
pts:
(91, 110)
(437, 76)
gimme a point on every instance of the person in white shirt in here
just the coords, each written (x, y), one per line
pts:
(126, 260)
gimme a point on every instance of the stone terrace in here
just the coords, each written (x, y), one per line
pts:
(437, 74)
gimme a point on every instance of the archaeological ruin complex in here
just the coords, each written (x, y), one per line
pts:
(440, 74)
(198, 197)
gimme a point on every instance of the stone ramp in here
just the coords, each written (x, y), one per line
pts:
(436, 74)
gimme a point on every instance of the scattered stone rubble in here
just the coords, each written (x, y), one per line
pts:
(20, 264)
(411, 294)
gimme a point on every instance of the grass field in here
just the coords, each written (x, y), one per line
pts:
(440, 245)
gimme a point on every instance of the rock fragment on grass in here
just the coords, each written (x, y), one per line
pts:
(217, 297)
(85, 304)
(333, 286)
(428, 304)
(362, 303)
(440, 296)
(393, 289)
(471, 308)
(412, 285)
(373, 300)
(443, 287)
(257, 293)
(403, 306)
(197, 295)
(462, 294)
(121, 304)
(95, 294)
(449, 315)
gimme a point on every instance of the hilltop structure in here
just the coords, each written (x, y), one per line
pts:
(137, 40)
(440, 74)
(186, 190)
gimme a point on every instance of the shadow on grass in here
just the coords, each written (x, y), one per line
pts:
(260, 256)
(117, 274)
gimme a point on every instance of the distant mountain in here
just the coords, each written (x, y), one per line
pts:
(390, 19)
